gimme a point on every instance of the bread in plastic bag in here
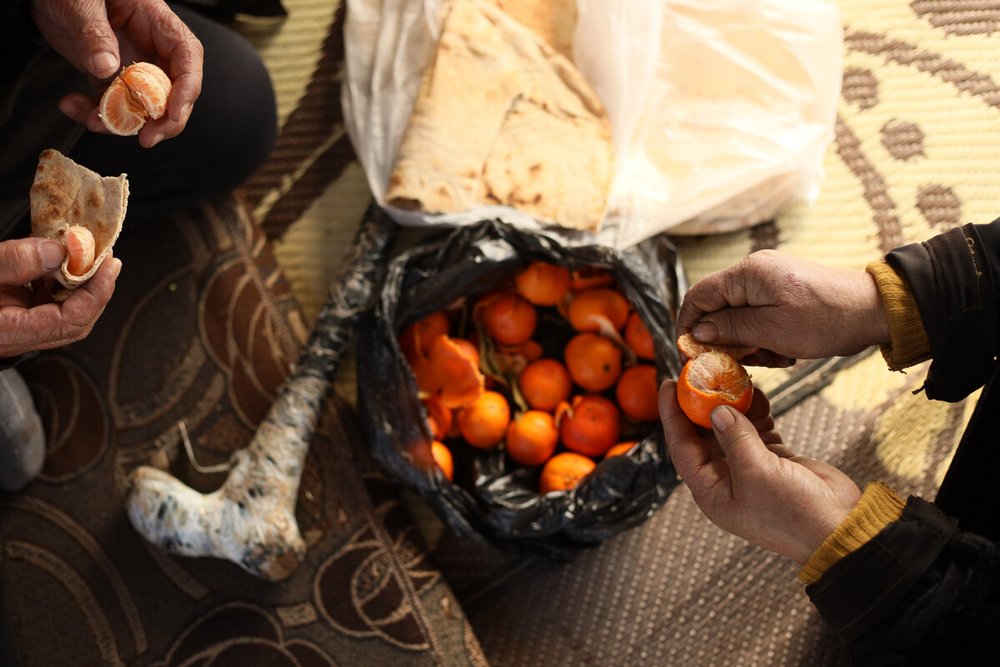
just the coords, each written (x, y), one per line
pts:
(721, 111)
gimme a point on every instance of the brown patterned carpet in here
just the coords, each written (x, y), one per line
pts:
(205, 333)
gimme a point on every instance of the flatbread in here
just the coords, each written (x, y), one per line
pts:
(64, 194)
(502, 118)
(552, 20)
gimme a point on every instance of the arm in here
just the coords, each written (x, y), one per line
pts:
(898, 582)
(97, 36)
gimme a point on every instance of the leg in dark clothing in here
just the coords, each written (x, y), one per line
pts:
(231, 131)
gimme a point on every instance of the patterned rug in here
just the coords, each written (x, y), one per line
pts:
(916, 152)
(917, 149)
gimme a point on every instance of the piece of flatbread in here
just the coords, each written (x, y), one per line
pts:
(552, 20)
(65, 194)
(502, 118)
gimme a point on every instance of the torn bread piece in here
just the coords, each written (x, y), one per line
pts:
(502, 118)
(690, 348)
(82, 210)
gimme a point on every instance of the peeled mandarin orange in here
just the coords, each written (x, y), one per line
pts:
(564, 471)
(139, 93)
(532, 437)
(709, 380)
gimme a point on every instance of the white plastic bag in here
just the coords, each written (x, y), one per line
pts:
(721, 110)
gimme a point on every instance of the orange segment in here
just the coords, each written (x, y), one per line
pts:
(136, 95)
(80, 250)
(709, 380)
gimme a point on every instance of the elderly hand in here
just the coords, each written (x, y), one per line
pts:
(749, 484)
(27, 323)
(97, 36)
(786, 305)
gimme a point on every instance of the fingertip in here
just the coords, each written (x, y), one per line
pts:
(104, 64)
(705, 332)
(723, 417)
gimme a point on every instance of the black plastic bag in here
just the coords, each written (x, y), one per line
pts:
(498, 502)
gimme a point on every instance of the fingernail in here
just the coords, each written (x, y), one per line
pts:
(157, 138)
(722, 418)
(68, 108)
(706, 332)
(52, 255)
(117, 266)
(104, 63)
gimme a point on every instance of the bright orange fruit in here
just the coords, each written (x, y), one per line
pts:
(636, 392)
(564, 471)
(594, 362)
(484, 423)
(638, 338)
(532, 437)
(545, 383)
(442, 456)
(543, 283)
(591, 426)
(508, 318)
(619, 449)
(417, 337)
(709, 380)
(591, 307)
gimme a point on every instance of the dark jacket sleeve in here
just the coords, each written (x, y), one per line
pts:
(955, 280)
(17, 30)
(920, 592)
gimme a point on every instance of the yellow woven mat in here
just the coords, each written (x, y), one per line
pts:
(917, 151)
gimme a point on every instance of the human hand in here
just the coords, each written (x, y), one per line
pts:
(97, 36)
(749, 484)
(30, 322)
(787, 306)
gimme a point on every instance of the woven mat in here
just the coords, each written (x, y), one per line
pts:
(917, 150)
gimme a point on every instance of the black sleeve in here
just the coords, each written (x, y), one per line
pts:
(16, 27)
(920, 592)
(954, 279)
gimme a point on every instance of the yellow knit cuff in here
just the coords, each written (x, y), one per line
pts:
(878, 507)
(908, 344)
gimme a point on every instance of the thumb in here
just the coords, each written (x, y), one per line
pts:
(96, 42)
(24, 260)
(739, 440)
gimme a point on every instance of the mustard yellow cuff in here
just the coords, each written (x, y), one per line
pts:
(908, 344)
(878, 507)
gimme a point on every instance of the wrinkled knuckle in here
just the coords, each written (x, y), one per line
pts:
(95, 30)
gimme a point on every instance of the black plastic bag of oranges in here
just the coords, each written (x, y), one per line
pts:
(510, 378)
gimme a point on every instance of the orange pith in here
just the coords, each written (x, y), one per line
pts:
(709, 380)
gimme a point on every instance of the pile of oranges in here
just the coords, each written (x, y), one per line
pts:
(555, 367)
